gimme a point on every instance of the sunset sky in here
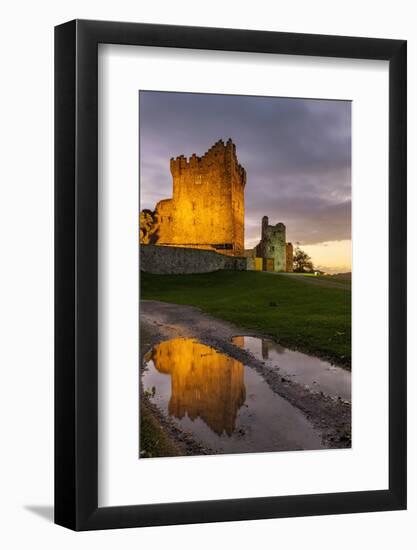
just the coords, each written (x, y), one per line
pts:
(296, 152)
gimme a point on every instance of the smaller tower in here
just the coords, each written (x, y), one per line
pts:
(272, 246)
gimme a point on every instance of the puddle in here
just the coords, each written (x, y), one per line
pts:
(225, 404)
(304, 369)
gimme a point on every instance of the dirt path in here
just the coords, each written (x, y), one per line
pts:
(161, 321)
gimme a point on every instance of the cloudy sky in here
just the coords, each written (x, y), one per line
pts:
(296, 152)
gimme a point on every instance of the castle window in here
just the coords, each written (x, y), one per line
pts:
(198, 180)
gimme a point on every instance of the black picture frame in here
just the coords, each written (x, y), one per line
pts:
(76, 272)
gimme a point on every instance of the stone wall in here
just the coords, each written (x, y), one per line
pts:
(178, 260)
(289, 249)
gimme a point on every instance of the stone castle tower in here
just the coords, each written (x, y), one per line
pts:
(273, 245)
(207, 207)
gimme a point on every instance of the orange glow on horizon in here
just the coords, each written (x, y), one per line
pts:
(332, 256)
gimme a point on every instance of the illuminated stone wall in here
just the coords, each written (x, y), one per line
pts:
(289, 250)
(207, 208)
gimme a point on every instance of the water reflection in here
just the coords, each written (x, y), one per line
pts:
(225, 405)
(304, 369)
(260, 347)
(204, 382)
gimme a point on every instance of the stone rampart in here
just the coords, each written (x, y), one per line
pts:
(173, 260)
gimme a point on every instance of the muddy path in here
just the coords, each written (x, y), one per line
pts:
(160, 321)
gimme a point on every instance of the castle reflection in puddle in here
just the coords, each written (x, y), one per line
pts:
(262, 348)
(309, 371)
(204, 382)
(222, 404)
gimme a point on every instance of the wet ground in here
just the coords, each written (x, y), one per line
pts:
(304, 369)
(222, 392)
(223, 403)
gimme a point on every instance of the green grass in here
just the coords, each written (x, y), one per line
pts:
(336, 279)
(323, 278)
(153, 440)
(312, 318)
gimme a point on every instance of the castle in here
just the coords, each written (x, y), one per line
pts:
(207, 212)
(208, 204)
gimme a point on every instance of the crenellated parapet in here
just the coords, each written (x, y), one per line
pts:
(218, 154)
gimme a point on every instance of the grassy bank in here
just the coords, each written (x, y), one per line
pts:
(154, 441)
(312, 318)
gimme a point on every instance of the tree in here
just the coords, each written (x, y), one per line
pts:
(302, 262)
(148, 226)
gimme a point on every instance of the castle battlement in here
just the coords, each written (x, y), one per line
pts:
(218, 153)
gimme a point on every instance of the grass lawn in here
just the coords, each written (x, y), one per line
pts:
(330, 278)
(312, 318)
